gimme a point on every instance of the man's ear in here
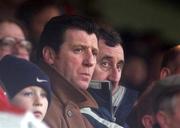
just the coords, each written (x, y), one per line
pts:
(162, 119)
(147, 121)
(48, 55)
(164, 72)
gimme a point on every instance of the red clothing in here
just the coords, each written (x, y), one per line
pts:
(5, 104)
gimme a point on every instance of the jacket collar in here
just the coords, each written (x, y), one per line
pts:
(65, 91)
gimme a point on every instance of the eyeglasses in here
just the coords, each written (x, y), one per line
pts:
(11, 41)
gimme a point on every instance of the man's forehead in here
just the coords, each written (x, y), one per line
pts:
(81, 35)
(111, 57)
(111, 51)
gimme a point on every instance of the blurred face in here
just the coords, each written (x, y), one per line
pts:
(11, 30)
(110, 62)
(8, 29)
(173, 120)
(22, 52)
(34, 99)
(13, 46)
(76, 58)
(5, 50)
(42, 17)
(135, 71)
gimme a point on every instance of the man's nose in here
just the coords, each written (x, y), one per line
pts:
(89, 59)
(115, 75)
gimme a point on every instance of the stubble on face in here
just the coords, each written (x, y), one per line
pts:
(109, 59)
(70, 62)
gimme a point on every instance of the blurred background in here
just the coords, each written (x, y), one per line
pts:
(161, 15)
(147, 27)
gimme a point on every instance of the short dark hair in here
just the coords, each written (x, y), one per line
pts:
(53, 33)
(110, 35)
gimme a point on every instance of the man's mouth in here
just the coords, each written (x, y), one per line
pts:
(85, 75)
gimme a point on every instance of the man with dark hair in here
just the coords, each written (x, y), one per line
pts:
(110, 58)
(115, 101)
(67, 52)
(13, 40)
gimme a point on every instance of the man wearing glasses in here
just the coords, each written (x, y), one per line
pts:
(12, 40)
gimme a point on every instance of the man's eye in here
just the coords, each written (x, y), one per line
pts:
(78, 50)
(120, 66)
(95, 53)
(105, 64)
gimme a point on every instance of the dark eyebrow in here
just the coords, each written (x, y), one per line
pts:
(109, 58)
(96, 49)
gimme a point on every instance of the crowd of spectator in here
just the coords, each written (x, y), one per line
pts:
(72, 71)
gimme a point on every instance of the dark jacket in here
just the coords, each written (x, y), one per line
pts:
(101, 117)
(67, 100)
(126, 105)
(114, 109)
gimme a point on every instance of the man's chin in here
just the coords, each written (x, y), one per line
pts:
(83, 85)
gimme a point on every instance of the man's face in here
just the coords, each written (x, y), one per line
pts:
(13, 33)
(76, 58)
(110, 62)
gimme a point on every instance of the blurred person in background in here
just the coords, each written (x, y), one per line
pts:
(34, 14)
(166, 102)
(8, 7)
(144, 51)
(135, 73)
(11, 27)
(13, 39)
